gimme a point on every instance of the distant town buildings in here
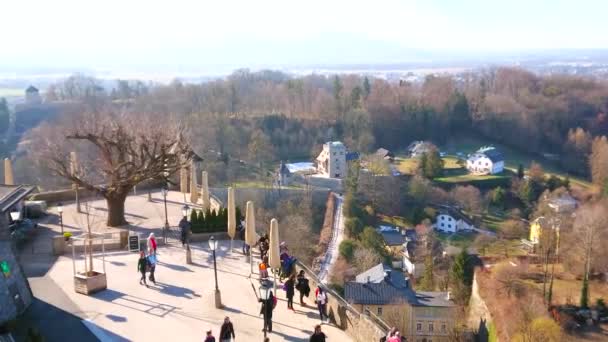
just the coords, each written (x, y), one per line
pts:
(417, 148)
(385, 154)
(452, 221)
(386, 293)
(331, 162)
(486, 161)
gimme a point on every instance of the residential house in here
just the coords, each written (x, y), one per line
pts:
(450, 220)
(536, 228)
(486, 161)
(394, 239)
(564, 204)
(385, 154)
(283, 175)
(331, 162)
(417, 148)
(32, 96)
(15, 294)
(387, 294)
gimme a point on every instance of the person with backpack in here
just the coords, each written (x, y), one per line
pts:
(227, 331)
(142, 265)
(266, 310)
(321, 300)
(210, 337)
(184, 227)
(290, 291)
(152, 267)
(302, 286)
(318, 335)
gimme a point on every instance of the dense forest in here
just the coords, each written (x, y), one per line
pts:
(268, 115)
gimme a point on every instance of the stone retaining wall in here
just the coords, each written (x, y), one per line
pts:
(358, 326)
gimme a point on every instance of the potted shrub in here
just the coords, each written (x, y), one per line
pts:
(67, 236)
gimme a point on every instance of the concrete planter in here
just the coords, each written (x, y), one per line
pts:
(90, 284)
(59, 245)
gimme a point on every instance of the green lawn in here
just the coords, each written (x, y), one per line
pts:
(513, 157)
(460, 240)
(492, 221)
(398, 221)
(408, 166)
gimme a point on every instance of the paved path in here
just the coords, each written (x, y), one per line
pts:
(337, 235)
(182, 300)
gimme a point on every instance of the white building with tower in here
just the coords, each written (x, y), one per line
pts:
(32, 96)
(331, 162)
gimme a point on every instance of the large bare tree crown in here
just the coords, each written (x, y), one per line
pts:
(116, 151)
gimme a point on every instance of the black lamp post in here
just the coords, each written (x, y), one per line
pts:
(264, 296)
(185, 212)
(166, 227)
(60, 211)
(213, 243)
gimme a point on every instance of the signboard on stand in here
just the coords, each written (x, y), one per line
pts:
(134, 243)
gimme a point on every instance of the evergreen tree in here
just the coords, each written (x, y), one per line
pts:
(498, 197)
(526, 193)
(355, 97)
(207, 222)
(431, 164)
(520, 171)
(367, 88)
(427, 282)
(585, 293)
(461, 269)
(4, 115)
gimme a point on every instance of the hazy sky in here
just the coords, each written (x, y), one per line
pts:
(248, 32)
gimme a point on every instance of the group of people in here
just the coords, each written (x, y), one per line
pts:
(147, 263)
(393, 336)
(227, 333)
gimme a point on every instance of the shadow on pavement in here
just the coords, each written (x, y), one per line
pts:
(135, 303)
(54, 324)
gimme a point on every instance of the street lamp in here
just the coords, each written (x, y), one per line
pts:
(60, 211)
(213, 246)
(264, 296)
(165, 191)
(185, 211)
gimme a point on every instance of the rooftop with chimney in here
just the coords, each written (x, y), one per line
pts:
(382, 285)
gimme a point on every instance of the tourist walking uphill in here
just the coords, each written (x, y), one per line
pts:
(184, 227)
(227, 331)
(303, 287)
(318, 335)
(152, 244)
(321, 300)
(266, 310)
(142, 264)
(290, 291)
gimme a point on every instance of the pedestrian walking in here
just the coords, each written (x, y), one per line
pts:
(290, 291)
(142, 265)
(395, 338)
(227, 331)
(184, 227)
(266, 310)
(152, 244)
(302, 287)
(152, 264)
(318, 335)
(263, 267)
(210, 337)
(321, 300)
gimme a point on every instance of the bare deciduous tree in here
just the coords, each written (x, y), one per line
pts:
(121, 151)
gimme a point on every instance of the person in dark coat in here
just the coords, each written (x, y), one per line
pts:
(227, 331)
(142, 265)
(210, 337)
(303, 287)
(184, 227)
(290, 291)
(318, 335)
(266, 310)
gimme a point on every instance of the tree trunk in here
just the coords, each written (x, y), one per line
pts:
(116, 210)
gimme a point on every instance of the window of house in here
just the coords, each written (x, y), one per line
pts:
(442, 224)
(431, 327)
(379, 311)
(449, 219)
(450, 226)
(334, 153)
(418, 326)
(443, 328)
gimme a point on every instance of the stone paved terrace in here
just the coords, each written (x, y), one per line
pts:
(181, 306)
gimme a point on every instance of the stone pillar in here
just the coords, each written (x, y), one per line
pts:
(183, 180)
(193, 185)
(8, 172)
(205, 192)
